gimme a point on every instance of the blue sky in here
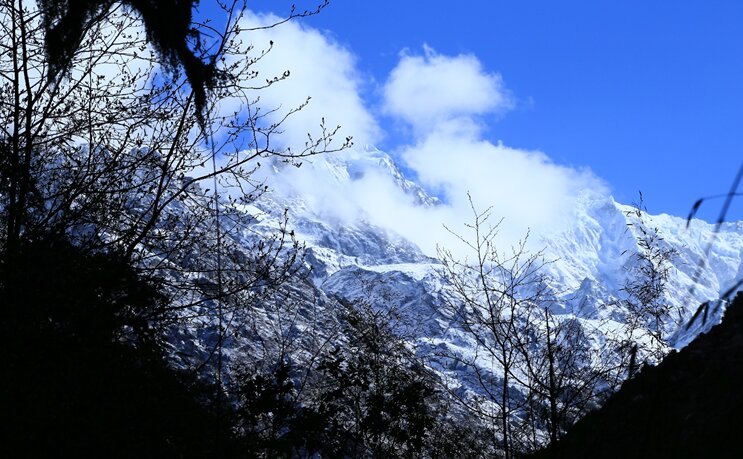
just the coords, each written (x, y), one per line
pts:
(648, 95)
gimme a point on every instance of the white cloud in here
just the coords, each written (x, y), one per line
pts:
(443, 99)
(319, 68)
(424, 90)
(525, 188)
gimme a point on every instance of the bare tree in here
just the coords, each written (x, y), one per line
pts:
(534, 371)
(563, 376)
(114, 158)
(488, 298)
(647, 312)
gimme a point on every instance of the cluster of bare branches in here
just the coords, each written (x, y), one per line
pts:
(116, 157)
(647, 312)
(705, 308)
(536, 371)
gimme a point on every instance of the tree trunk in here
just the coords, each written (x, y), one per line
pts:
(552, 385)
(504, 408)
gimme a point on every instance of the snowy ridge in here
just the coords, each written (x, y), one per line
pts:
(589, 258)
(592, 260)
(357, 261)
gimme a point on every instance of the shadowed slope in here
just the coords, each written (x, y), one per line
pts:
(688, 406)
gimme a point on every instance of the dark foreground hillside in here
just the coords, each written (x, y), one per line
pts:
(82, 373)
(691, 405)
(85, 374)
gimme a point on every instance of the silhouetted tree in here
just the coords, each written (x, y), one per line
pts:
(381, 393)
(534, 371)
(366, 397)
(488, 299)
(110, 236)
(170, 30)
(112, 158)
(647, 312)
(84, 370)
(564, 378)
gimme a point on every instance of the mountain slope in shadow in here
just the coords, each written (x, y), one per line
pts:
(690, 405)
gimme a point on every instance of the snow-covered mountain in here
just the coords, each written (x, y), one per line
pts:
(589, 260)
